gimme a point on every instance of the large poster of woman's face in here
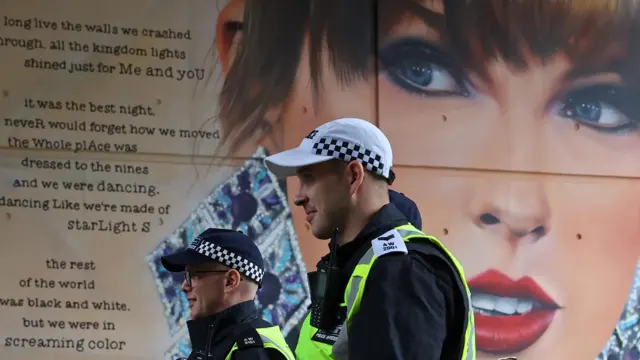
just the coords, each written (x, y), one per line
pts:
(514, 125)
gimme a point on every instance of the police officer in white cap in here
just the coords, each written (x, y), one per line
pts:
(223, 270)
(386, 290)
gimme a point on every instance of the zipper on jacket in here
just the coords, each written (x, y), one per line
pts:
(207, 349)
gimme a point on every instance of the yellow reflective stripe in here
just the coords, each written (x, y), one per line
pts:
(404, 232)
(353, 294)
(360, 273)
(266, 340)
(269, 343)
(412, 232)
(470, 345)
(307, 349)
(357, 280)
(362, 270)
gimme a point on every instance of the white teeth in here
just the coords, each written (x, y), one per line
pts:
(524, 307)
(483, 301)
(498, 305)
(507, 305)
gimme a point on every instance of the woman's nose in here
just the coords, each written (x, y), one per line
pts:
(519, 209)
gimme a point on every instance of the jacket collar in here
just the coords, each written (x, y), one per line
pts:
(385, 219)
(204, 331)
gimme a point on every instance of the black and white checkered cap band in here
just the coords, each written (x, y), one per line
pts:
(230, 259)
(346, 151)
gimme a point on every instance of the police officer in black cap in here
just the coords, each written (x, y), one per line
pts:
(223, 270)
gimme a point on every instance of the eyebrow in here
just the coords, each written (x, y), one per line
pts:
(619, 65)
(431, 18)
(303, 170)
(582, 72)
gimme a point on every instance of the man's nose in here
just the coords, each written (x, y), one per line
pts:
(185, 286)
(300, 199)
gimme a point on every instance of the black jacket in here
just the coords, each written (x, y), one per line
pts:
(213, 337)
(413, 305)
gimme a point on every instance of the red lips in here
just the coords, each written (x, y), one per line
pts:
(509, 334)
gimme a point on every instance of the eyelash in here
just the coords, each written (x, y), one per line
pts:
(424, 70)
(608, 101)
(423, 59)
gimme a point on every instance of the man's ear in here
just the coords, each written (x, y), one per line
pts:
(229, 32)
(355, 174)
(232, 280)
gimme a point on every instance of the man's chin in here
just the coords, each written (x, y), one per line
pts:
(194, 313)
(321, 235)
(318, 233)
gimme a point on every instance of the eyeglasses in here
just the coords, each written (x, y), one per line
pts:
(190, 274)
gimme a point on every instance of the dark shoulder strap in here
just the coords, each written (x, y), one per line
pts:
(426, 247)
(249, 338)
(430, 251)
(229, 337)
(246, 335)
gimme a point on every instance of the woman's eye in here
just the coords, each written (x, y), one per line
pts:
(426, 77)
(596, 113)
(422, 69)
(603, 108)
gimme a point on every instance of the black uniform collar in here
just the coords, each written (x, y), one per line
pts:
(387, 218)
(200, 329)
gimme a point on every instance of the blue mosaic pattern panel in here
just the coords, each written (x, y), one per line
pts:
(280, 296)
(250, 201)
(624, 344)
(180, 350)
